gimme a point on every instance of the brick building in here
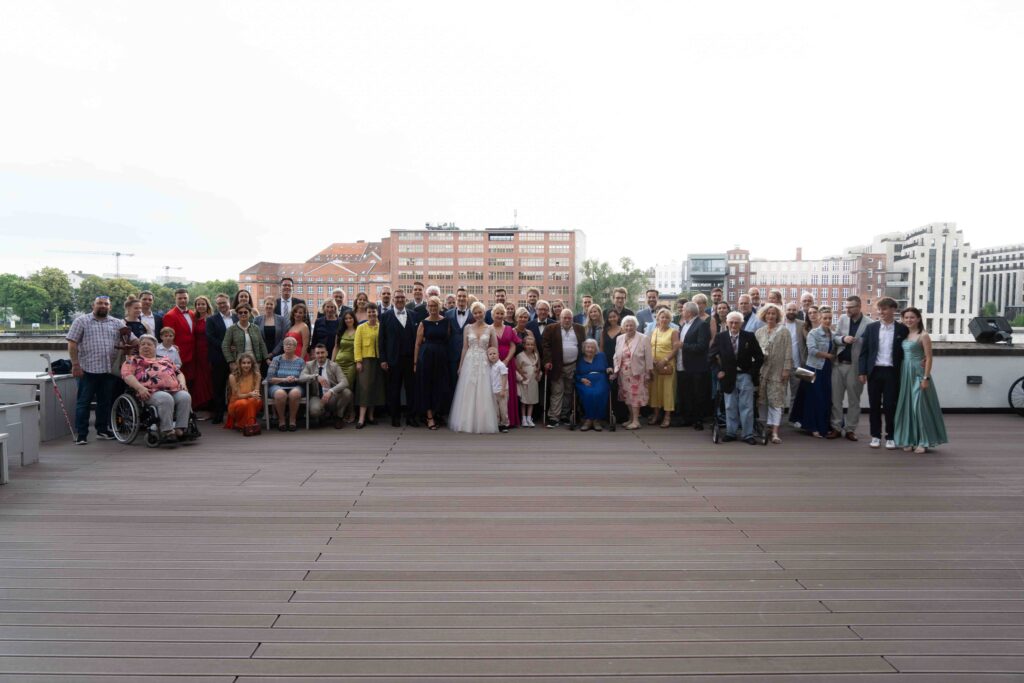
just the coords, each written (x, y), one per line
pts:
(480, 260)
(829, 280)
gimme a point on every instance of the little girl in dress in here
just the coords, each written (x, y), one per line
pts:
(528, 374)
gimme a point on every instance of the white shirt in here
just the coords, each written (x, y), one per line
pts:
(286, 308)
(248, 339)
(498, 370)
(228, 320)
(570, 345)
(886, 333)
(401, 315)
(187, 317)
(460, 317)
(794, 341)
(149, 322)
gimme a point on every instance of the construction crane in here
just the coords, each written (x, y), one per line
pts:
(116, 254)
(167, 272)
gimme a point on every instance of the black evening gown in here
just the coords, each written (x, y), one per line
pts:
(433, 388)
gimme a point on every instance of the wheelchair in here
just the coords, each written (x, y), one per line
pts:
(129, 417)
(762, 433)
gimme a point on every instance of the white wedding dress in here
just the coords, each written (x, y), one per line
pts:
(473, 409)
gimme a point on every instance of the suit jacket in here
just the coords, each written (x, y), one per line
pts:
(695, 346)
(801, 341)
(534, 326)
(622, 314)
(184, 337)
(233, 345)
(158, 323)
(280, 325)
(645, 317)
(455, 333)
(215, 329)
(842, 329)
(332, 371)
(551, 345)
(580, 318)
(295, 300)
(395, 341)
(747, 359)
(869, 347)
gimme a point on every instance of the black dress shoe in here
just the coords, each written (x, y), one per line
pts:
(395, 422)
(751, 440)
(217, 419)
(412, 422)
(360, 425)
(727, 438)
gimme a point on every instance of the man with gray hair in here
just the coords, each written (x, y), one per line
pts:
(694, 376)
(560, 348)
(737, 357)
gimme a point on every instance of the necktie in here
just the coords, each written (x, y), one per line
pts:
(735, 344)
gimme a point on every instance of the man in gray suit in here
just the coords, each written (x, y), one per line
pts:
(330, 393)
(847, 339)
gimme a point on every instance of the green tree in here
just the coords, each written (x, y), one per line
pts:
(212, 288)
(598, 279)
(990, 309)
(59, 301)
(28, 301)
(1018, 321)
(118, 289)
(7, 282)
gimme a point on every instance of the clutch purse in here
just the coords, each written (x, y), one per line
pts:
(805, 375)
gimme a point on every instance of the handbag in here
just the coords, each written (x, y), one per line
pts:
(664, 367)
(805, 375)
(252, 430)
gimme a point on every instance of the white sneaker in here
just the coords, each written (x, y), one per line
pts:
(890, 445)
(876, 443)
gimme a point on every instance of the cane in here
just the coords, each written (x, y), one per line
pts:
(544, 414)
(56, 389)
(611, 410)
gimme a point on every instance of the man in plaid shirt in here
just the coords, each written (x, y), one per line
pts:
(91, 342)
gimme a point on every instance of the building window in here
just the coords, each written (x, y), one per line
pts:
(503, 262)
(471, 248)
(558, 262)
(558, 236)
(468, 275)
(531, 275)
(531, 263)
(471, 236)
(409, 262)
(559, 276)
(410, 248)
(532, 248)
(440, 262)
(409, 235)
(441, 237)
(441, 248)
(501, 249)
(531, 236)
(471, 262)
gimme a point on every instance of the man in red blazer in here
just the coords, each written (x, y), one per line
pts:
(183, 321)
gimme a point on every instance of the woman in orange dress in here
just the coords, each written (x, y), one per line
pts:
(244, 402)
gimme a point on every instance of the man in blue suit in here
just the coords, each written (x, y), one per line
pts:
(216, 326)
(581, 317)
(499, 298)
(397, 345)
(458, 318)
(881, 354)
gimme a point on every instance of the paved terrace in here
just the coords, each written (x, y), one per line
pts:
(399, 555)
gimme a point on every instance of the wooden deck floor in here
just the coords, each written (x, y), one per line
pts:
(392, 555)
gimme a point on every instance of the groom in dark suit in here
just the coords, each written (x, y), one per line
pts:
(458, 318)
(881, 355)
(397, 344)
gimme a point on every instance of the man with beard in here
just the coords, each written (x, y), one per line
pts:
(91, 344)
(798, 338)
(646, 316)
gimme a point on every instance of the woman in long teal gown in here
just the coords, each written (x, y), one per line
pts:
(919, 423)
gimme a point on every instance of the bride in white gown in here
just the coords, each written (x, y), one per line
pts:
(473, 408)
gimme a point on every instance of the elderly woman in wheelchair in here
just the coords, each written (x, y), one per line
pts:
(158, 384)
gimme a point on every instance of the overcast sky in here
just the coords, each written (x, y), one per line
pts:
(211, 135)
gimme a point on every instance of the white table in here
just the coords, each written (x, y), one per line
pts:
(20, 421)
(18, 387)
(3, 459)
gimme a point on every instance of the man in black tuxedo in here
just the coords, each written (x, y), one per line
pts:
(695, 378)
(881, 354)
(543, 319)
(216, 327)
(737, 358)
(397, 344)
(458, 318)
(285, 302)
(500, 295)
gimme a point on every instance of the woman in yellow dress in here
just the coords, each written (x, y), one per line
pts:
(664, 344)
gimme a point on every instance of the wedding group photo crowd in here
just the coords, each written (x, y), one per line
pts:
(431, 359)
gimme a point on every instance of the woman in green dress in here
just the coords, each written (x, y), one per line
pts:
(345, 353)
(919, 423)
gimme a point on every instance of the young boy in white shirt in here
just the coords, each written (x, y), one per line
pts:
(499, 384)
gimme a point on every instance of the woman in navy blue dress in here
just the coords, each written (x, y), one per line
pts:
(433, 393)
(813, 404)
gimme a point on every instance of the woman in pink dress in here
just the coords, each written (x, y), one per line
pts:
(507, 341)
(634, 368)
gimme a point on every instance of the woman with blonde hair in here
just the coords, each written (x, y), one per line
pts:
(473, 409)
(508, 341)
(244, 401)
(776, 345)
(633, 368)
(664, 346)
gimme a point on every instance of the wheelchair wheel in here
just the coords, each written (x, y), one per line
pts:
(192, 431)
(125, 418)
(1016, 396)
(152, 439)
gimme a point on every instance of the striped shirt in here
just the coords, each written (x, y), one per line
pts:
(96, 338)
